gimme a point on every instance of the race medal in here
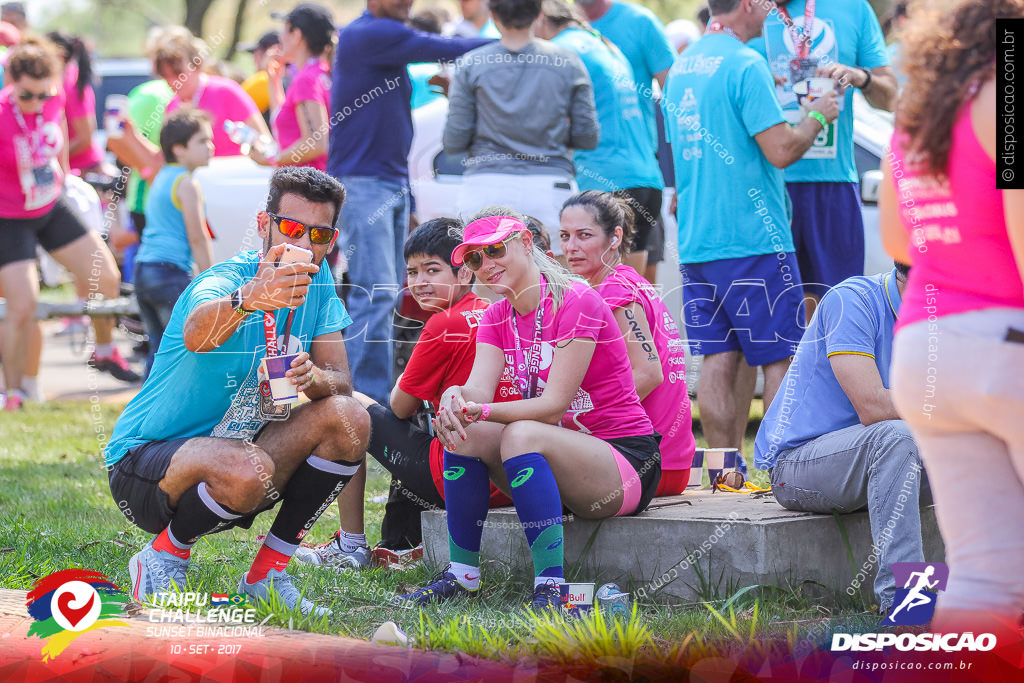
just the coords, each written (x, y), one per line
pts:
(802, 68)
(266, 407)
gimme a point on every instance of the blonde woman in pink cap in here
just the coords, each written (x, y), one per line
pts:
(579, 437)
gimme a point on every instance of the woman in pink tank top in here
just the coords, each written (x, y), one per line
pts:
(959, 350)
(596, 231)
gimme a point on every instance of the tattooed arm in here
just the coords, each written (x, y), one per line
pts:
(643, 355)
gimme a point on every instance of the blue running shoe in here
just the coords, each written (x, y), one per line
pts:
(443, 587)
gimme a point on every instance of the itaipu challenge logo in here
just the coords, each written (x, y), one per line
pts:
(71, 602)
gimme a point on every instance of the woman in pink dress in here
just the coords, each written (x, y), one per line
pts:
(596, 231)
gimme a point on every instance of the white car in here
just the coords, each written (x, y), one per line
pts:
(234, 191)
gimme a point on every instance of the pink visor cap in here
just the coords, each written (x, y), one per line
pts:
(484, 231)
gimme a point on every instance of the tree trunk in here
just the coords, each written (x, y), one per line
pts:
(195, 12)
(236, 34)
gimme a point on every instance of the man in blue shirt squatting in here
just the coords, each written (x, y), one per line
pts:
(368, 151)
(202, 447)
(832, 441)
(741, 287)
(841, 41)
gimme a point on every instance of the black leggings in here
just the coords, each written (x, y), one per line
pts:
(403, 448)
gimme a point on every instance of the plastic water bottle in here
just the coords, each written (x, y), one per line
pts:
(243, 135)
(612, 601)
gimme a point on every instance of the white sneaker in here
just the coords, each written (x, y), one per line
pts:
(330, 554)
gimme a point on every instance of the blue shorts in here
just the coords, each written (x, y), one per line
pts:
(828, 233)
(754, 304)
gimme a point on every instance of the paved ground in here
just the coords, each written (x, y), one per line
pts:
(64, 374)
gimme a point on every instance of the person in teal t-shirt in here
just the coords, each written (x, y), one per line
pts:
(623, 161)
(845, 44)
(641, 37)
(204, 447)
(741, 286)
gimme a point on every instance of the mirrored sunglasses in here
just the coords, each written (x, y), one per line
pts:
(294, 229)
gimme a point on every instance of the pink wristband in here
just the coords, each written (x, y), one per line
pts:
(485, 412)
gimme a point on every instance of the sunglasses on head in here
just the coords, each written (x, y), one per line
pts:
(294, 229)
(475, 259)
(28, 96)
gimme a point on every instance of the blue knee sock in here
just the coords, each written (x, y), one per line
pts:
(467, 497)
(539, 506)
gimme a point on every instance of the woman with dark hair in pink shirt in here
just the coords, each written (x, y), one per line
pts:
(299, 117)
(959, 351)
(79, 103)
(596, 232)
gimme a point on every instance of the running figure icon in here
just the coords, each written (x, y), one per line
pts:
(915, 597)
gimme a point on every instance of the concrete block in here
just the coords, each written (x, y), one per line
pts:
(731, 540)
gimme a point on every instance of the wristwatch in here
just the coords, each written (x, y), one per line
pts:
(236, 303)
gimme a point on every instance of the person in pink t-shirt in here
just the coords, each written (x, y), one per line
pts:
(79, 103)
(34, 209)
(579, 437)
(596, 232)
(300, 117)
(178, 58)
(958, 355)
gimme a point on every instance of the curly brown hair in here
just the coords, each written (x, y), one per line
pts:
(34, 57)
(946, 57)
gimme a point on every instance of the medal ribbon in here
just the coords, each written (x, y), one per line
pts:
(716, 27)
(529, 386)
(801, 38)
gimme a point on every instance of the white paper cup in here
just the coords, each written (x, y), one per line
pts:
(808, 90)
(115, 109)
(696, 469)
(281, 388)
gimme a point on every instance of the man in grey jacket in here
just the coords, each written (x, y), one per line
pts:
(519, 107)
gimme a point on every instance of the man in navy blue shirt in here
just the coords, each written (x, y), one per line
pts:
(832, 440)
(370, 137)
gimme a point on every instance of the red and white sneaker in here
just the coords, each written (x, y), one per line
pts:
(14, 400)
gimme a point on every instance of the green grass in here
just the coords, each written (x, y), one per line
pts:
(56, 512)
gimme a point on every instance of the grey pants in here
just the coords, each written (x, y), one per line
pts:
(960, 385)
(875, 467)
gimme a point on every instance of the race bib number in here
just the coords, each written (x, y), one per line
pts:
(40, 185)
(824, 146)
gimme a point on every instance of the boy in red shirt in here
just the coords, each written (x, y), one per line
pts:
(442, 357)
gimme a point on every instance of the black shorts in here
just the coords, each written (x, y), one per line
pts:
(644, 454)
(58, 227)
(403, 448)
(646, 205)
(133, 483)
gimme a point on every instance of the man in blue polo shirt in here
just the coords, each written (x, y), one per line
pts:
(845, 44)
(742, 292)
(370, 137)
(832, 440)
